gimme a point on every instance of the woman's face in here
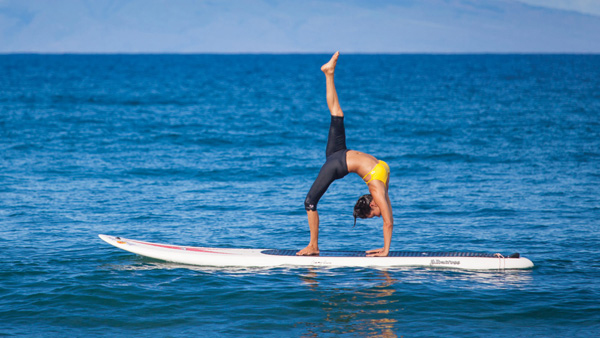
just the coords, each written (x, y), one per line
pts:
(375, 211)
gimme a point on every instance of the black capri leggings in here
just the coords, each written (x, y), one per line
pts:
(335, 166)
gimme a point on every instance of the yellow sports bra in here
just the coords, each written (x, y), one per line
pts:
(380, 172)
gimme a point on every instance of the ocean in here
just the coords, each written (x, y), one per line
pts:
(489, 153)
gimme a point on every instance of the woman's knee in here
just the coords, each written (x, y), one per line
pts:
(309, 204)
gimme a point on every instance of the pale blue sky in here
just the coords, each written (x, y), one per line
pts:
(294, 26)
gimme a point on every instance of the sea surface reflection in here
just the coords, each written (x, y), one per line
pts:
(379, 303)
(365, 306)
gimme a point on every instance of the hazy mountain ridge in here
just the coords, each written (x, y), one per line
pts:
(289, 26)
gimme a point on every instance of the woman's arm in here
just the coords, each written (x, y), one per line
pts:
(381, 198)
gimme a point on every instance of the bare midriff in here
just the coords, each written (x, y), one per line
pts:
(360, 163)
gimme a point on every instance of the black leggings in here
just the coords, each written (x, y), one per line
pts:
(335, 166)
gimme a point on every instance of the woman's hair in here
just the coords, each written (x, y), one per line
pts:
(362, 208)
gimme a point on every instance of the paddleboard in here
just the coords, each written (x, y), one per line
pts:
(272, 257)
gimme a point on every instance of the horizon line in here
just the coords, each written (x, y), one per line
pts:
(299, 53)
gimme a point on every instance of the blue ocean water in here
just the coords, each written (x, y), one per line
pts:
(492, 153)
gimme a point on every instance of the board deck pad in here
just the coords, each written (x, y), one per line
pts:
(332, 253)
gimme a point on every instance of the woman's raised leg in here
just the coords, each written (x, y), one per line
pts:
(336, 141)
(332, 99)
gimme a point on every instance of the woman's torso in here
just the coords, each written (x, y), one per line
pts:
(360, 163)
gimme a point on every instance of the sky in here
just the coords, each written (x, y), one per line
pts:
(299, 26)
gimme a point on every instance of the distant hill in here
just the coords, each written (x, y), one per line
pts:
(271, 26)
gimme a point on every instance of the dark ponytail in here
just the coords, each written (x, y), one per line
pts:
(362, 208)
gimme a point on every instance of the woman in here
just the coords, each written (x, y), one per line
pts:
(341, 161)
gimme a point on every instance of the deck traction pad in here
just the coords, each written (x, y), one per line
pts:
(327, 253)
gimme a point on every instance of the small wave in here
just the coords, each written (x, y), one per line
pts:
(25, 146)
(494, 211)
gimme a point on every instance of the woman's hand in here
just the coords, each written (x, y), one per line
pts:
(377, 253)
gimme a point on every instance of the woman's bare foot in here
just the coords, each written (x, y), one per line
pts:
(308, 251)
(329, 67)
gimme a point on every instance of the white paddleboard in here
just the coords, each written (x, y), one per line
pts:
(273, 258)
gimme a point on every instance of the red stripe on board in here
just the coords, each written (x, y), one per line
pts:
(177, 247)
